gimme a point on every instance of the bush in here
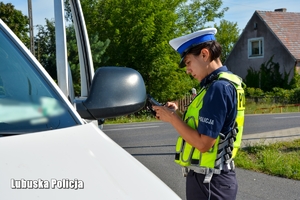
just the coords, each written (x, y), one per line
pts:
(253, 92)
(267, 77)
(282, 95)
(295, 96)
(277, 95)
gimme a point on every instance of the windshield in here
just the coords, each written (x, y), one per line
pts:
(28, 103)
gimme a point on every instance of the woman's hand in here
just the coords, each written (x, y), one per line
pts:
(166, 112)
(171, 105)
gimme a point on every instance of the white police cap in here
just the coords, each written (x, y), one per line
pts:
(184, 43)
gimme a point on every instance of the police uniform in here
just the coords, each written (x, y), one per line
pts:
(218, 112)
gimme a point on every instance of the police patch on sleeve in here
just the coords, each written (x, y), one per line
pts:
(206, 120)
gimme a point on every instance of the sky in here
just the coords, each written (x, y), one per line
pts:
(240, 11)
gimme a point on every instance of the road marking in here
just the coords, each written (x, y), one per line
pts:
(286, 117)
(149, 146)
(138, 127)
(133, 124)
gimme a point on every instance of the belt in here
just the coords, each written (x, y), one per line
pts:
(205, 170)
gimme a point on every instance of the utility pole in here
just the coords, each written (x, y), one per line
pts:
(31, 27)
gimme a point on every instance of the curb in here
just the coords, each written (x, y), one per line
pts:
(271, 137)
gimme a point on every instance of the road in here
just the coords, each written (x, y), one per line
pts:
(270, 122)
(153, 145)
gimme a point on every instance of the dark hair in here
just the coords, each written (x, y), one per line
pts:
(213, 47)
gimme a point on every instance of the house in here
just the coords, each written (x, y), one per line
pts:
(268, 33)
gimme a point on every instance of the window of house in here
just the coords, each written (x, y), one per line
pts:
(255, 47)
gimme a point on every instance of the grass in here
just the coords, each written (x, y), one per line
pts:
(141, 117)
(262, 108)
(279, 159)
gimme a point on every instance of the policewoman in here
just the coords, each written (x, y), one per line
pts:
(211, 128)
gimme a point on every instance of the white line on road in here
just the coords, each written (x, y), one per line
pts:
(134, 124)
(120, 129)
(286, 117)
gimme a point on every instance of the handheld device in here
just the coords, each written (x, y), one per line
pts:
(150, 102)
(153, 101)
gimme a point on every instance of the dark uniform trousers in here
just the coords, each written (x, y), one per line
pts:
(221, 187)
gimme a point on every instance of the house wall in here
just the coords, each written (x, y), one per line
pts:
(238, 61)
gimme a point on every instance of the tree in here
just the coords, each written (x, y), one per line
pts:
(253, 78)
(16, 21)
(139, 31)
(268, 77)
(227, 36)
(195, 14)
(45, 47)
(97, 48)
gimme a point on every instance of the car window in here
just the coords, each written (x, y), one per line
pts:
(28, 102)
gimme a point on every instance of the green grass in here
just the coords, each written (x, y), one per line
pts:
(263, 108)
(279, 159)
(141, 117)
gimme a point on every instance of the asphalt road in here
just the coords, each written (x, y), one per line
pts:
(270, 122)
(153, 145)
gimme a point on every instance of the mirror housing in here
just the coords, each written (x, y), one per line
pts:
(115, 91)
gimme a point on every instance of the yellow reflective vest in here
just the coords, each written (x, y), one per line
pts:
(225, 148)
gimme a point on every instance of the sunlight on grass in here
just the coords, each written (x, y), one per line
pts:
(278, 159)
(264, 108)
(144, 117)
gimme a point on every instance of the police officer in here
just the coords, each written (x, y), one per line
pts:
(210, 130)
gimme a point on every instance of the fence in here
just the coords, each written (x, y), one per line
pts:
(184, 102)
(272, 108)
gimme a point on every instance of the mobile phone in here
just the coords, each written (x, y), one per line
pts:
(152, 102)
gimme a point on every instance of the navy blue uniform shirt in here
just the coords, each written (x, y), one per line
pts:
(218, 111)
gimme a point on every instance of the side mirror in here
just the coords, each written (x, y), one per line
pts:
(115, 91)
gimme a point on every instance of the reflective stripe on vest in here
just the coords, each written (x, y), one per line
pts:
(186, 154)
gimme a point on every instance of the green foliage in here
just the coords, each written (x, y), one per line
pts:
(46, 51)
(271, 77)
(277, 95)
(16, 21)
(281, 95)
(141, 116)
(227, 36)
(267, 77)
(97, 48)
(252, 79)
(139, 31)
(295, 96)
(193, 15)
(136, 35)
(253, 92)
(295, 82)
(278, 159)
(45, 48)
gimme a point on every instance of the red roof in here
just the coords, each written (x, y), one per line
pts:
(286, 26)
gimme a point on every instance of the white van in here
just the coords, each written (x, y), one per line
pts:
(47, 148)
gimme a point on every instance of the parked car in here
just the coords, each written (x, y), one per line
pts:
(48, 150)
